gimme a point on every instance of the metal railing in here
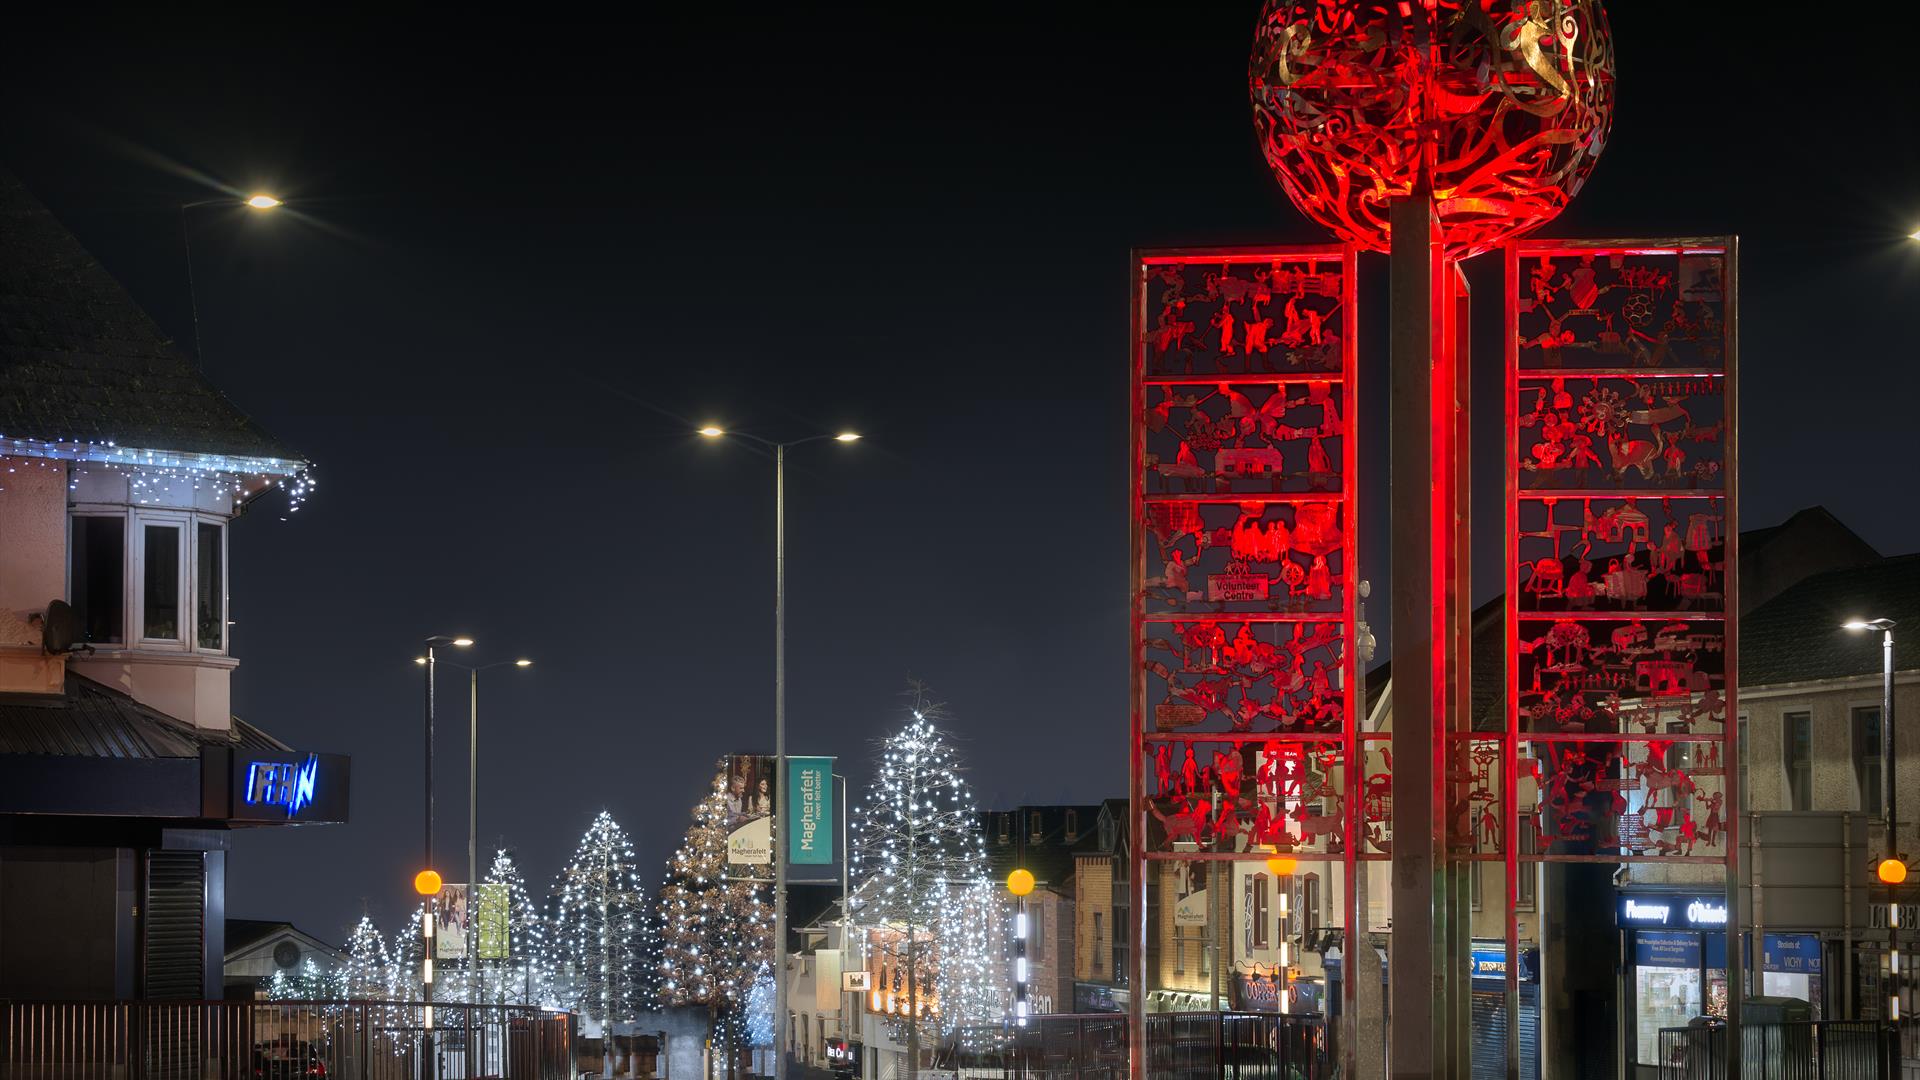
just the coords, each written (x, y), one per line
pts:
(281, 1040)
(1180, 1046)
(1816, 1050)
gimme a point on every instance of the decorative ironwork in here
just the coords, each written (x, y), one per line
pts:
(1499, 107)
(1621, 606)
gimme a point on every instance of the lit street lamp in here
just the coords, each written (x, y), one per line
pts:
(260, 201)
(1892, 869)
(426, 965)
(473, 808)
(713, 431)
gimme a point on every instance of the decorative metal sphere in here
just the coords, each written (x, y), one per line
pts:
(1501, 107)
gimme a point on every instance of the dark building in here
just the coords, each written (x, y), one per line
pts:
(122, 768)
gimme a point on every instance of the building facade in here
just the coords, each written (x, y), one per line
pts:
(122, 768)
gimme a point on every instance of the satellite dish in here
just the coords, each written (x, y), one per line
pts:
(62, 628)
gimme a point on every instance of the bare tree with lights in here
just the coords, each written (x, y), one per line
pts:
(528, 974)
(600, 928)
(716, 932)
(923, 899)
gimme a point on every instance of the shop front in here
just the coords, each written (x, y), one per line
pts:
(1488, 961)
(1790, 967)
(1675, 946)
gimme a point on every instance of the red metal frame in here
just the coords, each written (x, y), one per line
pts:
(1244, 665)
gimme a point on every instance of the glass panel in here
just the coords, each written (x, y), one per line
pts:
(99, 572)
(161, 577)
(209, 590)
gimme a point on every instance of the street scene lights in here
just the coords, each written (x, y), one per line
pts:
(1892, 869)
(715, 431)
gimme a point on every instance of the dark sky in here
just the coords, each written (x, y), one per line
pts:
(520, 263)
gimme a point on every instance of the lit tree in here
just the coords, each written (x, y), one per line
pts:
(305, 984)
(366, 974)
(923, 896)
(716, 934)
(528, 974)
(600, 931)
(760, 1008)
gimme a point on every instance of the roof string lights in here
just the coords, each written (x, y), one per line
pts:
(152, 475)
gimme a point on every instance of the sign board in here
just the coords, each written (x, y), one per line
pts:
(751, 844)
(281, 786)
(856, 982)
(495, 940)
(1707, 912)
(810, 809)
(451, 922)
(1191, 910)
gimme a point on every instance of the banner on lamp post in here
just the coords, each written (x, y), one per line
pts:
(493, 940)
(810, 811)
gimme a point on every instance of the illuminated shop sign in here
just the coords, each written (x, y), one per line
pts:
(282, 783)
(1705, 912)
(278, 786)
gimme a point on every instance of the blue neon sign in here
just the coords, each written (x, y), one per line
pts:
(287, 784)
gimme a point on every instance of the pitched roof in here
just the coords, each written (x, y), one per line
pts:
(81, 361)
(91, 719)
(1796, 636)
(1049, 857)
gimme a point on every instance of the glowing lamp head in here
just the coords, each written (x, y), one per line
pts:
(427, 883)
(847, 436)
(1891, 871)
(523, 663)
(1282, 865)
(1020, 882)
(713, 432)
(463, 642)
(1914, 235)
(263, 202)
(1867, 624)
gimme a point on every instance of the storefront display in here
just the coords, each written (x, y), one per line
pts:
(1790, 967)
(1677, 944)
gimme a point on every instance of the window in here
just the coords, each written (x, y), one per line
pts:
(98, 572)
(1257, 892)
(1798, 747)
(1310, 906)
(1473, 885)
(1746, 789)
(1179, 949)
(160, 583)
(209, 587)
(1073, 826)
(1099, 941)
(1037, 929)
(1866, 757)
(1529, 873)
(1036, 827)
(1006, 827)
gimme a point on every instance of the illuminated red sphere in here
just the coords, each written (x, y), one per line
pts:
(1500, 106)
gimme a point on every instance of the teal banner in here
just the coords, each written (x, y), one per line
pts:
(810, 809)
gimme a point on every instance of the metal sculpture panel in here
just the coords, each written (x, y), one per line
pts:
(1500, 107)
(1620, 534)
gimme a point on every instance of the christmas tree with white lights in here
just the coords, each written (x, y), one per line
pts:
(600, 934)
(366, 973)
(923, 898)
(526, 975)
(716, 933)
(304, 983)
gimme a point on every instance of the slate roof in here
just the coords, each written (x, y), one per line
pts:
(92, 719)
(1050, 858)
(1796, 636)
(80, 360)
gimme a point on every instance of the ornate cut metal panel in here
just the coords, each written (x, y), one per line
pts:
(1244, 585)
(1621, 597)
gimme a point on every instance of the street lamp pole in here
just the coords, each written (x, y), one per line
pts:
(426, 968)
(257, 202)
(1892, 869)
(779, 449)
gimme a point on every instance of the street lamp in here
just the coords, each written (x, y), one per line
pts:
(1892, 868)
(473, 808)
(258, 201)
(426, 969)
(715, 431)
(1020, 883)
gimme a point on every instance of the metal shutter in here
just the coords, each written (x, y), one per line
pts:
(173, 963)
(1489, 1034)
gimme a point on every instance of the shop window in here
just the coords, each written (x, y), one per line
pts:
(1798, 747)
(209, 586)
(160, 583)
(1866, 757)
(97, 586)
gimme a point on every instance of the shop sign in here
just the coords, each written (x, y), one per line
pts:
(1798, 954)
(1489, 961)
(284, 786)
(1257, 993)
(1643, 909)
(1666, 949)
(1877, 916)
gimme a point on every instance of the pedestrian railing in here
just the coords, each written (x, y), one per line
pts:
(1180, 1046)
(282, 1040)
(1818, 1050)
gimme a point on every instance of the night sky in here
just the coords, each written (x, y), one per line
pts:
(518, 266)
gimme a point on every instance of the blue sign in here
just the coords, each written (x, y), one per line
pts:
(1668, 949)
(1488, 960)
(1708, 912)
(286, 784)
(810, 807)
(1798, 954)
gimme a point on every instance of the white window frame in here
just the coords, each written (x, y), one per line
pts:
(182, 523)
(127, 571)
(226, 591)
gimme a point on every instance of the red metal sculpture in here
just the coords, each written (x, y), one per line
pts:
(1620, 606)
(1501, 106)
